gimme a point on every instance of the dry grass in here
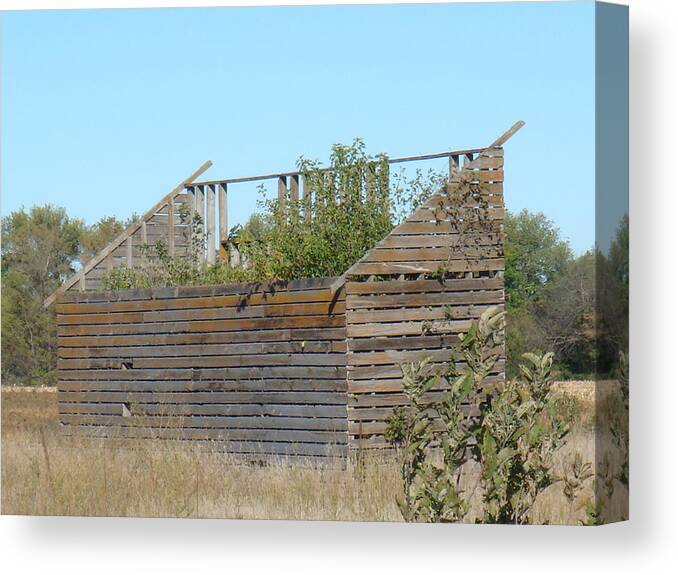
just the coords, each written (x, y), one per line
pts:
(44, 473)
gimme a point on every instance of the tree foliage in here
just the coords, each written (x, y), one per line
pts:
(324, 234)
(535, 254)
(40, 249)
(575, 306)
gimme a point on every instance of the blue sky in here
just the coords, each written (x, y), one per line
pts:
(104, 111)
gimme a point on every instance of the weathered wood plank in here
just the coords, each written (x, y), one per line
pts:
(286, 334)
(423, 286)
(416, 314)
(223, 215)
(207, 397)
(284, 371)
(452, 253)
(299, 436)
(218, 301)
(188, 350)
(355, 302)
(439, 240)
(244, 312)
(203, 326)
(406, 328)
(267, 384)
(433, 266)
(267, 289)
(210, 235)
(196, 362)
(218, 409)
(231, 423)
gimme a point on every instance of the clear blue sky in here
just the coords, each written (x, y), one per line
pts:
(103, 112)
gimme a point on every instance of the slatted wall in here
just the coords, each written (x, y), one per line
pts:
(260, 368)
(131, 253)
(397, 294)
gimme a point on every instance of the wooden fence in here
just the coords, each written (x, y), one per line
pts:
(260, 368)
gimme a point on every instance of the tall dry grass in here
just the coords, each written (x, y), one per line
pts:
(44, 473)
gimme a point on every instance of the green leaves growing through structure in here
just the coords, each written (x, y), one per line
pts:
(348, 207)
(344, 213)
(512, 436)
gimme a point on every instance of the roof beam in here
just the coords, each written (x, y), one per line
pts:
(117, 242)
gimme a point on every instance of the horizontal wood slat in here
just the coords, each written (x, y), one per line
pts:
(260, 368)
(397, 315)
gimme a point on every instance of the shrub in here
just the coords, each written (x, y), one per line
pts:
(513, 438)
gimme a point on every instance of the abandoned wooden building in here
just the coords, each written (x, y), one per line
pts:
(307, 367)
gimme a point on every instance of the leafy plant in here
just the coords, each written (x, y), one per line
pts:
(513, 438)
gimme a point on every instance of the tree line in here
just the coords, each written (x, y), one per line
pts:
(574, 305)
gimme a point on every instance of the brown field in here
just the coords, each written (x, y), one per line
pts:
(44, 473)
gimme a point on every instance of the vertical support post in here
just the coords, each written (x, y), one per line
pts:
(223, 222)
(387, 191)
(282, 195)
(129, 251)
(306, 198)
(369, 194)
(200, 210)
(294, 195)
(170, 227)
(454, 166)
(211, 240)
(82, 283)
(144, 233)
(109, 263)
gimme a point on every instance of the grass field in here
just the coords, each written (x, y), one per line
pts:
(44, 473)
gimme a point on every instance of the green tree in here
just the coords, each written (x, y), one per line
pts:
(40, 249)
(97, 236)
(535, 255)
(43, 244)
(566, 314)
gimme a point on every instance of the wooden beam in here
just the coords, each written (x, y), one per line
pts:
(129, 252)
(294, 195)
(144, 233)
(294, 188)
(296, 173)
(223, 215)
(282, 194)
(501, 140)
(454, 165)
(211, 240)
(200, 210)
(117, 242)
(307, 200)
(170, 228)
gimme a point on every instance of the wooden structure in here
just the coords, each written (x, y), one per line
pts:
(301, 368)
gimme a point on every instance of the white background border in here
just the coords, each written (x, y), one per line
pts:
(647, 543)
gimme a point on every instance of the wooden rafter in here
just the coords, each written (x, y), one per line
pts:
(124, 236)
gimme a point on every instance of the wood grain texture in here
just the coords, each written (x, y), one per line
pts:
(260, 368)
(396, 315)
